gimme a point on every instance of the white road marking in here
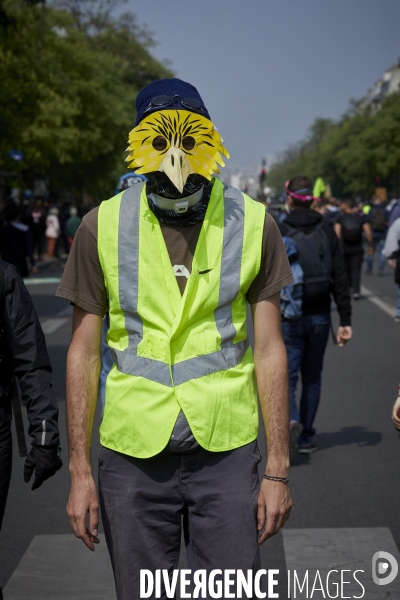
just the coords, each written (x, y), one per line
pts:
(60, 566)
(343, 549)
(41, 280)
(53, 323)
(385, 306)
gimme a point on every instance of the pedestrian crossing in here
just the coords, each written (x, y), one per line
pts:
(41, 280)
(345, 553)
(52, 324)
(60, 567)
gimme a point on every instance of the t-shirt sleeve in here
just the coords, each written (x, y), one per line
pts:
(83, 282)
(275, 271)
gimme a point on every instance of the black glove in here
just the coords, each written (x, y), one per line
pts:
(45, 460)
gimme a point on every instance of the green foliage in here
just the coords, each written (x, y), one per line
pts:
(348, 154)
(68, 87)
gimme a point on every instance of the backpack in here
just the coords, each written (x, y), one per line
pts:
(351, 227)
(378, 218)
(315, 259)
(292, 294)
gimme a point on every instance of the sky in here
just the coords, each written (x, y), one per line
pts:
(267, 68)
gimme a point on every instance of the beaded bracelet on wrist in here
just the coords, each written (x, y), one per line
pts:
(280, 479)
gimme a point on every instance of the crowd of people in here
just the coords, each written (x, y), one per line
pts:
(31, 232)
(367, 232)
(326, 250)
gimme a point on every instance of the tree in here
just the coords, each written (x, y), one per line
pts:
(69, 102)
(348, 154)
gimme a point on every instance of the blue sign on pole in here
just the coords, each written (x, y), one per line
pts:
(17, 154)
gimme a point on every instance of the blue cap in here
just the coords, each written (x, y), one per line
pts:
(167, 87)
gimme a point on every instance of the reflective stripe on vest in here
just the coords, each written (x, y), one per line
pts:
(127, 360)
(230, 355)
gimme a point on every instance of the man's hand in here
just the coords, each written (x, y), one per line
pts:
(343, 336)
(83, 500)
(274, 502)
(274, 506)
(392, 262)
(45, 461)
(396, 414)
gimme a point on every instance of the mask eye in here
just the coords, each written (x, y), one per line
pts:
(159, 143)
(188, 142)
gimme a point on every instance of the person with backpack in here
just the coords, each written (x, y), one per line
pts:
(23, 357)
(378, 218)
(306, 330)
(350, 228)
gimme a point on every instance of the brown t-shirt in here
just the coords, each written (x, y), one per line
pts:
(83, 282)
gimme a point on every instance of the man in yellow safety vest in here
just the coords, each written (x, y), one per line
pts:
(175, 261)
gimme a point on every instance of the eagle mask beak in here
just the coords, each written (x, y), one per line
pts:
(177, 167)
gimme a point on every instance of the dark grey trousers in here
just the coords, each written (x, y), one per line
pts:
(144, 502)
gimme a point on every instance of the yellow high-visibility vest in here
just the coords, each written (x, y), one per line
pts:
(176, 352)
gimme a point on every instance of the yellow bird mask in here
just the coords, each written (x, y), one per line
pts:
(177, 142)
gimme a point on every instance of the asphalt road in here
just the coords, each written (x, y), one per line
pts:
(348, 490)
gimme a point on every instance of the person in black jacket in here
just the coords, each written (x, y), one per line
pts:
(306, 338)
(15, 241)
(23, 355)
(349, 228)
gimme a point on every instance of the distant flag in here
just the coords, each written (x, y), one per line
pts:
(319, 187)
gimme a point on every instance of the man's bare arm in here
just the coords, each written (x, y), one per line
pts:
(274, 502)
(83, 368)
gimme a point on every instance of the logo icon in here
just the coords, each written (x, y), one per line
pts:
(381, 561)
